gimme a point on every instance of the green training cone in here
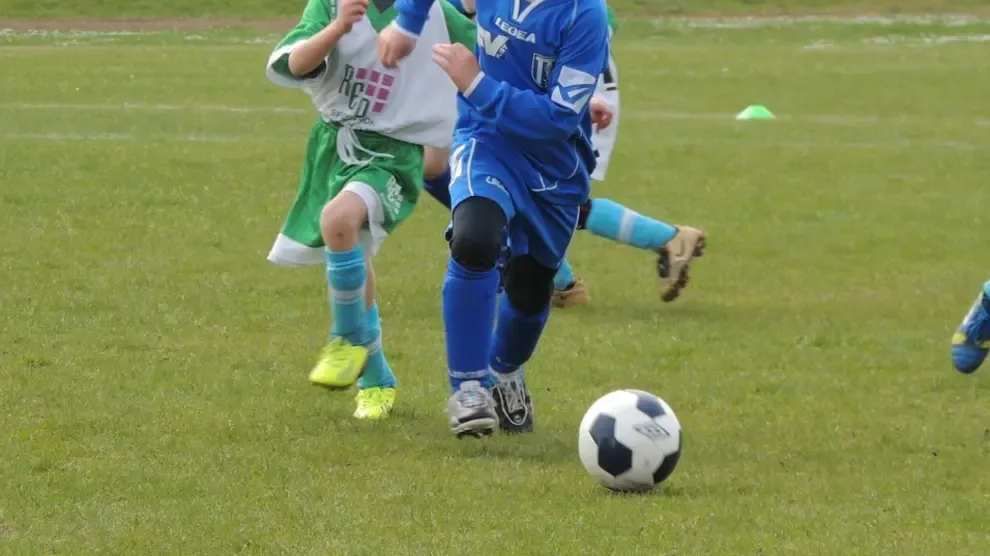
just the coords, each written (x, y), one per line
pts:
(755, 112)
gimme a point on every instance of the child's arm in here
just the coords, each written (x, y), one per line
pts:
(310, 54)
(558, 113)
(315, 18)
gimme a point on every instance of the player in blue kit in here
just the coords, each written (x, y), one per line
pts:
(521, 160)
(971, 342)
(675, 246)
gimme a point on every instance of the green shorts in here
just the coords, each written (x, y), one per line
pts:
(390, 187)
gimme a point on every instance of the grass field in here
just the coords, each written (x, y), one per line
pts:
(153, 391)
(255, 9)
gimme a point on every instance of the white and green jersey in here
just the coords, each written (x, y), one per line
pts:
(412, 103)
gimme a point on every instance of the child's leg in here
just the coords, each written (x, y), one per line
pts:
(676, 246)
(343, 359)
(477, 235)
(469, 289)
(523, 311)
(437, 188)
(387, 187)
(613, 221)
(436, 175)
(377, 373)
(376, 387)
(568, 290)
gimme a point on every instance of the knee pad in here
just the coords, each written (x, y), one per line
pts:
(583, 212)
(476, 233)
(529, 284)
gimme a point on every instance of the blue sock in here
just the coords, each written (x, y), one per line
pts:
(564, 276)
(346, 276)
(516, 336)
(616, 222)
(468, 318)
(377, 373)
(439, 188)
(986, 288)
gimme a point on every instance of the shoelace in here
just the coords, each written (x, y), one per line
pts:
(348, 148)
(514, 398)
(472, 399)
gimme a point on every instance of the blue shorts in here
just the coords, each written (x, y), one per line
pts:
(539, 224)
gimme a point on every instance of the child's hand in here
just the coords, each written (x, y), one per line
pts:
(349, 12)
(394, 45)
(601, 113)
(459, 63)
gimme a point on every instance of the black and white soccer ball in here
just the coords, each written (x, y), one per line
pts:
(630, 440)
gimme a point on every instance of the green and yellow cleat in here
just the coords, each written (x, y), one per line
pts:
(341, 364)
(374, 404)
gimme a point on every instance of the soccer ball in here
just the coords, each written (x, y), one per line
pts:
(630, 440)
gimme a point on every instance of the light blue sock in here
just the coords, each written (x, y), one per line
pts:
(377, 373)
(346, 276)
(986, 288)
(618, 223)
(564, 276)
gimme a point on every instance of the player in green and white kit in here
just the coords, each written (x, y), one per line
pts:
(363, 168)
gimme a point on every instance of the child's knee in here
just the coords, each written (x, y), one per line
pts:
(343, 217)
(477, 233)
(529, 284)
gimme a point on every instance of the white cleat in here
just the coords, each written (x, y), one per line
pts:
(471, 411)
(675, 258)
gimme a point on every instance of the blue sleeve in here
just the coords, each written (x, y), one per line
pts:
(557, 114)
(412, 15)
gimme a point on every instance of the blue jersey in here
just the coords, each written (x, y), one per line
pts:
(540, 62)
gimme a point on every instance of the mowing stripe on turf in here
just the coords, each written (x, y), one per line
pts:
(666, 141)
(828, 119)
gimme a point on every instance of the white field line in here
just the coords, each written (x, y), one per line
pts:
(824, 119)
(743, 22)
(140, 107)
(68, 37)
(131, 137)
(661, 141)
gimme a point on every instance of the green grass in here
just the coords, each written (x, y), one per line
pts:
(258, 9)
(154, 396)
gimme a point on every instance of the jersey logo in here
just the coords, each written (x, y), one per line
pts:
(574, 88)
(515, 32)
(366, 89)
(493, 46)
(541, 70)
